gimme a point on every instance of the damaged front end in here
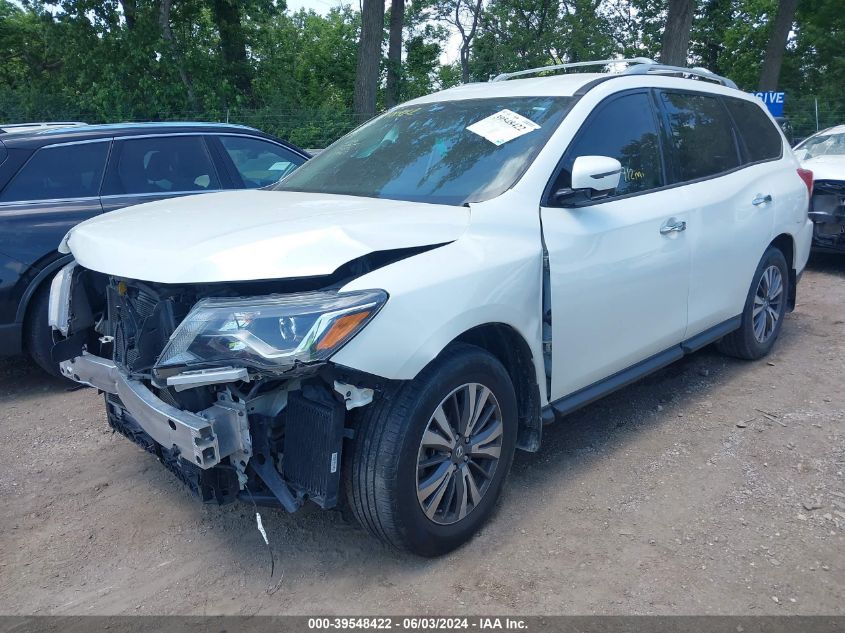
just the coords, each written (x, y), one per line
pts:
(827, 211)
(229, 385)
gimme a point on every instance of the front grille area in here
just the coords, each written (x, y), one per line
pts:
(141, 323)
(312, 447)
(831, 185)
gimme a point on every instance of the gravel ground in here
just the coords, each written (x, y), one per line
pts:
(713, 487)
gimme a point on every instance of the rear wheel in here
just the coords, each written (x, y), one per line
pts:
(38, 337)
(765, 308)
(429, 461)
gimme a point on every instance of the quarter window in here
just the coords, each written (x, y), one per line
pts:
(623, 129)
(259, 163)
(161, 165)
(761, 137)
(702, 135)
(66, 171)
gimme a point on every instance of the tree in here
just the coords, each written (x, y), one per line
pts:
(676, 34)
(709, 33)
(465, 17)
(227, 17)
(369, 58)
(519, 34)
(167, 33)
(770, 74)
(130, 12)
(394, 52)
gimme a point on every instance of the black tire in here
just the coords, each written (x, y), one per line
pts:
(38, 338)
(742, 343)
(381, 475)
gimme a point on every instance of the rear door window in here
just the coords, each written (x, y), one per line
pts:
(258, 162)
(625, 129)
(161, 165)
(63, 171)
(759, 134)
(701, 134)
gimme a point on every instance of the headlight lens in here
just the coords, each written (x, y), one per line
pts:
(270, 333)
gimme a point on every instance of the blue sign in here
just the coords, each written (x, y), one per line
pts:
(773, 100)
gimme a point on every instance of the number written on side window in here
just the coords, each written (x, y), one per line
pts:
(623, 129)
(66, 171)
(259, 163)
(160, 165)
(702, 135)
(761, 137)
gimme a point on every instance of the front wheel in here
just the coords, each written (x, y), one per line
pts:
(429, 461)
(765, 308)
(38, 337)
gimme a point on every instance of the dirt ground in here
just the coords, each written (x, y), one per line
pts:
(713, 487)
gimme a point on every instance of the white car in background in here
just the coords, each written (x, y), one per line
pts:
(824, 154)
(391, 321)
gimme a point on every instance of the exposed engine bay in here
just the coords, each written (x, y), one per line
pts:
(827, 211)
(238, 402)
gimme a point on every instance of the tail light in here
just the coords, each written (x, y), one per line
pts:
(807, 176)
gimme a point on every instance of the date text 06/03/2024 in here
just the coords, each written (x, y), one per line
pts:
(417, 623)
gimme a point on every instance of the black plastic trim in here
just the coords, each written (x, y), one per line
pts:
(587, 395)
(709, 335)
(597, 390)
(45, 272)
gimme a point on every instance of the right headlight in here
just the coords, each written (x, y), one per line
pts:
(271, 333)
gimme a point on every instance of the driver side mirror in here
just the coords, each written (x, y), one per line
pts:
(593, 178)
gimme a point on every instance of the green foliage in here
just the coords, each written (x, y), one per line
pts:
(517, 34)
(292, 74)
(730, 36)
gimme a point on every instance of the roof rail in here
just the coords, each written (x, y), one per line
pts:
(597, 62)
(636, 66)
(662, 69)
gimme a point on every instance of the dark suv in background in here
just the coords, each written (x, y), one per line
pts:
(52, 179)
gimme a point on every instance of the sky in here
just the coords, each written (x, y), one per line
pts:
(320, 6)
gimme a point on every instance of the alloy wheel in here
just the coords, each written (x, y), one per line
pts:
(459, 453)
(768, 304)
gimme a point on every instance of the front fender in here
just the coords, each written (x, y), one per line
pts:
(491, 274)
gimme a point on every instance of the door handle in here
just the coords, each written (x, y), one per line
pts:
(761, 199)
(673, 226)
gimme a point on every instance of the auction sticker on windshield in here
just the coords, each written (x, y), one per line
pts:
(503, 126)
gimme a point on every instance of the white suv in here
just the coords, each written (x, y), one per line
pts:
(389, 323)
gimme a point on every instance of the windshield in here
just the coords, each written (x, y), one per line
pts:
(823, 145)
(451, 152)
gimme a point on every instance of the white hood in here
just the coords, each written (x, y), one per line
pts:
(828, 167)
(250, 235)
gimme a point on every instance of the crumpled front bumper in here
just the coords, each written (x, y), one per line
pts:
(827, 211)
(203, 438)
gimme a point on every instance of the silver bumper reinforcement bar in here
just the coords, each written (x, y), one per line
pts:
(204, 438)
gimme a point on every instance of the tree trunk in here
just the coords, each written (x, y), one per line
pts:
(467, 35)
(170, 41)
(675, 45)
(465, 63)
(130, 11)
(394, 52)
(227, 17)
(369, 56)
(770, 74)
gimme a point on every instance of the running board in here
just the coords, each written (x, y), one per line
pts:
(598, 390)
